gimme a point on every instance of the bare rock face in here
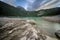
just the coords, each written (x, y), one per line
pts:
(21, 30)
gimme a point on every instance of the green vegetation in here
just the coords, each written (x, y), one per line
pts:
(49, 12)
(8, 10)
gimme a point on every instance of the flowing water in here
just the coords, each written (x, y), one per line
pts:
(50, 27)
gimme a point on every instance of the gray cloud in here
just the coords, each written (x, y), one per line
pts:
(11, 2)
(50, 4)
(43, 4)
(37, 4)
(30, 4)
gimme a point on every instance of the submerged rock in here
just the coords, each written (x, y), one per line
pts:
(57, 34)
(21, 30)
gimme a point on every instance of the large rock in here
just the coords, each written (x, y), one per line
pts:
(57, 33)
(21, 30)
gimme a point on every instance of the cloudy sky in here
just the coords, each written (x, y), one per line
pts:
(34, 4)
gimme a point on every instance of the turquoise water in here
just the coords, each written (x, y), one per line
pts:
(50, 27)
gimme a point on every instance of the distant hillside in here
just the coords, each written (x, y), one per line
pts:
(8, 10)
(21, 8)
(49, 12)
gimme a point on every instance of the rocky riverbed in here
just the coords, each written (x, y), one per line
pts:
(21, 29)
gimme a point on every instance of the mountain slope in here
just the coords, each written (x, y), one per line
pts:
(8, 10)
(49, 12)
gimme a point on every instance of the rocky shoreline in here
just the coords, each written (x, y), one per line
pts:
(20, 29)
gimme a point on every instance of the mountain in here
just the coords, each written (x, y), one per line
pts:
(49, 12)
(8, 10)
(45, 12)
(19, 7)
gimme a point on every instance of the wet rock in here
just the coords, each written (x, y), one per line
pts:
(57, 34)
(21, 30)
